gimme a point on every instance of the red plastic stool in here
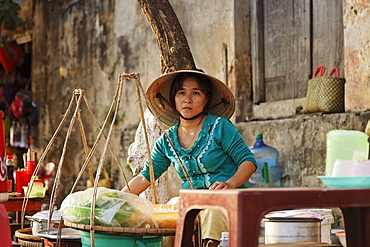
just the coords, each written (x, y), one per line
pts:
(245, 209)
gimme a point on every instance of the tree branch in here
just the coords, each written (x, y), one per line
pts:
(173, 46)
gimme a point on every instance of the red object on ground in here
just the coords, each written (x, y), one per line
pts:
(10, 57)
(5, 235)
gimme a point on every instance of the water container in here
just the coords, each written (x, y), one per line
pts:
(347, 145)
(268, 169)
(224, 239)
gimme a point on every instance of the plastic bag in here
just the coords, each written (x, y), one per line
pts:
(112, 208)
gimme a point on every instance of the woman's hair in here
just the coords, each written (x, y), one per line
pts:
(204, 83)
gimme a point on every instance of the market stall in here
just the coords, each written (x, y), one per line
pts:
(100, 213)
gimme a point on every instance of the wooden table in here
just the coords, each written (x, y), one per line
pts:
(245, 209)
(14, 204)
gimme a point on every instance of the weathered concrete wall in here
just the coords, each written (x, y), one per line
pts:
(357, 52)
(86, 44)
(301, 142)
(212, 36)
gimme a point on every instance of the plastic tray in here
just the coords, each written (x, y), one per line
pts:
(66, 233)
(345, 182)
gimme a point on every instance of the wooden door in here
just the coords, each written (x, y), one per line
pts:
(290, 38)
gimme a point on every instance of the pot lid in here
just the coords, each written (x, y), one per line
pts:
(44, 215)
(291, 219)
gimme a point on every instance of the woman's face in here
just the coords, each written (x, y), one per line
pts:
(190, 100)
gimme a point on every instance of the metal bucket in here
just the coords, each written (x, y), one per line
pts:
(292, 229)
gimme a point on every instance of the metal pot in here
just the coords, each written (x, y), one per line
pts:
(39, 221)
(292, 229)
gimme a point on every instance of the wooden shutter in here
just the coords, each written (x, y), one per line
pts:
(289, 40)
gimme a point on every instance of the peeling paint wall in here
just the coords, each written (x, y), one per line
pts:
(357, 52)
(86, 44)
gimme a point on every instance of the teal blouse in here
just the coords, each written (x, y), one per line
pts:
(215, 155)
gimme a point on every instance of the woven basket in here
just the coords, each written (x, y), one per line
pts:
(26, 239)
(325, 94)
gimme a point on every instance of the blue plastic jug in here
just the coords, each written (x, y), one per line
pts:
(268, 169)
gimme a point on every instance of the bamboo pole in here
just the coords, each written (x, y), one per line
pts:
(109, 145)
(100, 134)
(41, 160)
(101, 162)
(83, 136)
(150, 163)
(54, 191)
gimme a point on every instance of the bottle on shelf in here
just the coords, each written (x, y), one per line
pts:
(10, 170)
(268, 169)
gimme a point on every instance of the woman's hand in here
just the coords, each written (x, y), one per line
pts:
(242, 175)
(221, 185)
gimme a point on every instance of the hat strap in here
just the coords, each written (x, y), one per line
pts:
(160, 97)
(196, 116)
(223, 101)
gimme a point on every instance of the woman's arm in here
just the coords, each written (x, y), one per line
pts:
(137, 185)
(241, 176)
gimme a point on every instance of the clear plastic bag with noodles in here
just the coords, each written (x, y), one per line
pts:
(112, 208)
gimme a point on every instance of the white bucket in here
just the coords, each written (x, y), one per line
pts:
(291, 229)
(325, 223)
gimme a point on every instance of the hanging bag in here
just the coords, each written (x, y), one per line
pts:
(325, 94)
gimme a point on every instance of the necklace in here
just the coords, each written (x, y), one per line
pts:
(191, 134)
(185, 136)
(191, 142)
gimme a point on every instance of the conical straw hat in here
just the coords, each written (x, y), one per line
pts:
(223, 100)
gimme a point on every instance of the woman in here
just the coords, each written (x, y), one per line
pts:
(205, 148)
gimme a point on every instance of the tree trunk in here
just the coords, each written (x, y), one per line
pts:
(173, 46)
(175, 55)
